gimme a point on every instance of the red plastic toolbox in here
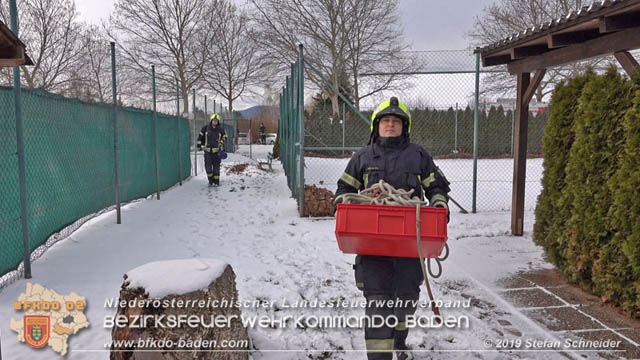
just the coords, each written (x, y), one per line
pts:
(390, 230)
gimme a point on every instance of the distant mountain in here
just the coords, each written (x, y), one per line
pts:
(253, 111)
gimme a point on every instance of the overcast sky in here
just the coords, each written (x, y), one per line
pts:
(428, 24)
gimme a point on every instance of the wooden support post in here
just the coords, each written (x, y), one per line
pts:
(520, 155)
(628, 62)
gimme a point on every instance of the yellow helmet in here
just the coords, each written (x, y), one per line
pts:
(215, 116)
(391, 107)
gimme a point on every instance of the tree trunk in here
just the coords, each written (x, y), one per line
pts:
(28, 77)
(335, 106)
(356, 93)
(185, 100)
(539, 94)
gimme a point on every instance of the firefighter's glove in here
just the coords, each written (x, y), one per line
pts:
(199, 148)
(338, 200)
(442, 204)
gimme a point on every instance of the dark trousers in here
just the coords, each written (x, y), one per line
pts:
(212, 167)
(383, 278)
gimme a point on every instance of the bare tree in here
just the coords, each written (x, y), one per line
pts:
(342, 38)
(92, 81)
(51, 31)
(507, 17)
(233, 65)
(172, 34)
(375, 45)
(318, 24)
(96, 57)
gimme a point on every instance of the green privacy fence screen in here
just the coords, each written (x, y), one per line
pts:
(69, 156)
(291, 130)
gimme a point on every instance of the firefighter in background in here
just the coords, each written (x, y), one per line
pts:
(390, 156)
(211, 140)
(263, 134)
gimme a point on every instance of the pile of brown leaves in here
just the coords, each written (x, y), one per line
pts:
(237, 169)
(317, 201)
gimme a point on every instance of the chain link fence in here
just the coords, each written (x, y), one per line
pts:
(70, 172)
(440, 94)
(291, 130)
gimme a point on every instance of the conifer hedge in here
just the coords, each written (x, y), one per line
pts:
(435, 129)
(617, 271)
(551, 213)
(588, 212)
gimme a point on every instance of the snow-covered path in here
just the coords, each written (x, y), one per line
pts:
(252, 223)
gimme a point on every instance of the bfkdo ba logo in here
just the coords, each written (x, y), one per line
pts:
(36, 330)
(46, 318)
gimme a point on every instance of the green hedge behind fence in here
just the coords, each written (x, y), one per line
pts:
(433, 128)
(69, 158)
(588, 214)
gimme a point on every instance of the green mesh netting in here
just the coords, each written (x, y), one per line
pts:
(69, 159)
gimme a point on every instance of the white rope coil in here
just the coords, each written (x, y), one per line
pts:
(383, 193)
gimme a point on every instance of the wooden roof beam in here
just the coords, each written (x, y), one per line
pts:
(628, 62)
(607, 44)
(496, 60)
(526, 51)
(619, 22)
(566, 39)
(9, 51)
(11, 62)
(11, 56)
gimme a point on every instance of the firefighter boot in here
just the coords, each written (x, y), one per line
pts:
(400, 347)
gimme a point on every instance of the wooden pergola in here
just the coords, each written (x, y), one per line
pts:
(12, 51)
(610, 27)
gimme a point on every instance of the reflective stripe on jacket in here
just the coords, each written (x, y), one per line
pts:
(402, 164)
(211, 138)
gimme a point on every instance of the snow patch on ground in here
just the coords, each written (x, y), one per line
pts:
(252, 223)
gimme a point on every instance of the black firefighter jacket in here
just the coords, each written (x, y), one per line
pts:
(400, 163)
(211, 138)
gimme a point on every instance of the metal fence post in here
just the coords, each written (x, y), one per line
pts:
(285, 134)
(300, 120)
(195, 150)
(292, 137)
(178, 131)
(294, 128)
(281, 148)
(115, 130)
(284, 145)
(455, 141)
(476, 116)
(249, 137)
(280, 125)
(344, 123)
(235, 130)
(155, 130)
(22, 171)
(294, 134)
